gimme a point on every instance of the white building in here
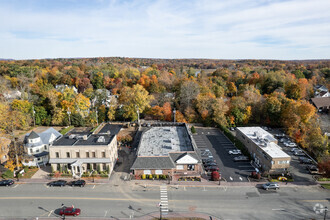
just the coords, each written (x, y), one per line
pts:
(37, 145)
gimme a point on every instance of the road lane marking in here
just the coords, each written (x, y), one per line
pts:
(278, 209)
(315, 200)
(93, 186)
(105, 214)
(231, 178)
(50, 213)
(15, 186)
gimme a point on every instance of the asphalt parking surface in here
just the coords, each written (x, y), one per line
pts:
(219, 145)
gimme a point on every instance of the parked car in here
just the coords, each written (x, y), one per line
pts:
(70, 211)
(6, 182)
(268, 186)
(294, 149)
(59, 183)
(80, 183)
(290, 144)
(282, 140)
(305, 160)
(210, 164)
(211, 168)
(208, 160)
(241, 159)
(280, 135)
(312, 169)
(299, 153)
(234, 152)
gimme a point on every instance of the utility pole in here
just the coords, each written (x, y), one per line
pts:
(97, 119)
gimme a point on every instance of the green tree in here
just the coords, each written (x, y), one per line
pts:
(133, 99)
(40, 115)
(97, 80)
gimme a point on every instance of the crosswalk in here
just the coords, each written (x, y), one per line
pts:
(163, 200)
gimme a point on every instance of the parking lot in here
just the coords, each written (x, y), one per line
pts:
(212, 140)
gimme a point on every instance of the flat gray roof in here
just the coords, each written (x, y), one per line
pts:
(159, 141)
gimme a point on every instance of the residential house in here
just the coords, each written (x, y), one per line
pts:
(321, 91)
(37, 146)
(263, 148)
(60, 88)
(322, 104)
(83, 151)
(168, 150)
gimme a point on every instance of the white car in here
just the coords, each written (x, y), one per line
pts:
(235, 152)
(294, 149)
(290, 144)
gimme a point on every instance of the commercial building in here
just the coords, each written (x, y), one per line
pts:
(168, 150)
(263, 148)
(37, 146)
(81, 151)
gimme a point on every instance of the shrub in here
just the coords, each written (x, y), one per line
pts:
(8, 174)
(193, 130)
(150, 176)
(143, 176)
(104, 175)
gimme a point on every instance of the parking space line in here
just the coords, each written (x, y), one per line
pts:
(50, 213)
(15, 186)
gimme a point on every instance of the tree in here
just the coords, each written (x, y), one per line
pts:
(77, 120)
(40, 115)
(167, 111)
(188, 92)
(232, 88)
(10, 164)
(220, 109)
(179, 117)
(133, 99)
(82, 104)
(97, 80)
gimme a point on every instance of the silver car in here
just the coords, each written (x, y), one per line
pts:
(271, 185)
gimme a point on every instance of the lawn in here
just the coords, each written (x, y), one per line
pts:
(29, 173)
(326, 185)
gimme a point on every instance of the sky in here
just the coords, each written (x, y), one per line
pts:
(216, 29)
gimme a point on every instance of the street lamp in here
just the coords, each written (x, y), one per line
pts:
(174, 111)
(138, 114)
(160, 211)
(69, 116)
(325, 212)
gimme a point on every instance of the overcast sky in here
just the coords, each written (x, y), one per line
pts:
(220, 29)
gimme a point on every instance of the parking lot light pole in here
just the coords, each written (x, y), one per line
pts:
(160, 211)
(325, 212)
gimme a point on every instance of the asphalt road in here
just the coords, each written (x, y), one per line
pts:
(129, 201)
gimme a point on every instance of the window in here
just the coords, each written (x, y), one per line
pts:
(68, 154)
(31, 151)
(103, 154)
(37, 151)
(104, 166)
(77, 155)
(94, 166)
(87, 154)
(57, 155)
(45, 147)
(191, 167)
(179, 167)
(93, 154)
(272, 162)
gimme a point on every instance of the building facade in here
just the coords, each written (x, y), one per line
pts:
(263, 148)
(82, 152)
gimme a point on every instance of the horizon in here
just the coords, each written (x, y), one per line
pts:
(283, 30)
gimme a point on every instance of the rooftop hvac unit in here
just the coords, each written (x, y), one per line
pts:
(101, 139)
(85, 137)
(72, 136)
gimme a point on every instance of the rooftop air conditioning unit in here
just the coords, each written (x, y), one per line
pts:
(101, 139)
(72, 136)
(85, 137)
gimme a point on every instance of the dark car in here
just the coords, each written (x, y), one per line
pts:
(211, 168)
(210, 164)
(60, 183)
(241, 159)
(80, 183)
(6, 182)
(69, 211)
(208, 160)
(305, 160)
(312, 169)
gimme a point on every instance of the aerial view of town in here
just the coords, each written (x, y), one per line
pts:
(176, 110)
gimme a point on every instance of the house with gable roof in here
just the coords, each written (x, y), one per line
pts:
(37, 146)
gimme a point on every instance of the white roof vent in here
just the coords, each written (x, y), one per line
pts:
(85, 137)
(72, 136)
(101, 139)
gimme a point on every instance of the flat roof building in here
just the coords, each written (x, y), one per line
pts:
(168, 150)
(82, 151)
(263, 148)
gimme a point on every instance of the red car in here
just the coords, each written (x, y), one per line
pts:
(70, 211)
